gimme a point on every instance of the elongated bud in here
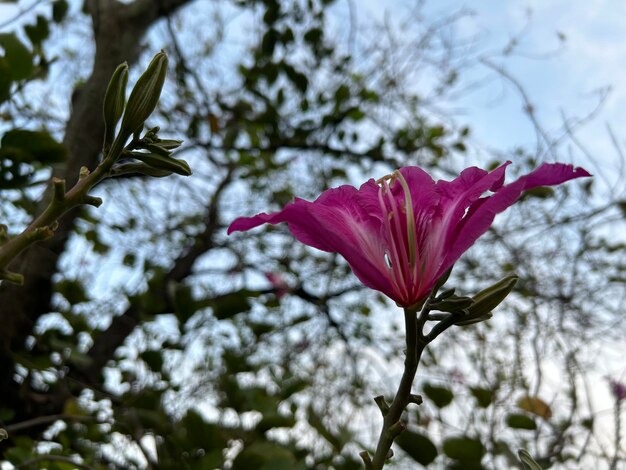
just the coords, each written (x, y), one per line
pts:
(471, 321)
(528, 462)
(453, 304)
(162, 162)
(114, 100)
(138, 168)
(488, 299)
(144, 96)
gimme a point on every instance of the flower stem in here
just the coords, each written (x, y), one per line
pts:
(392, 426)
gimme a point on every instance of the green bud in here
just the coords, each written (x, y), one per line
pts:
(446, 293)
(138, 168)
(471, 321)
(158, 149)
(488, 299)
(145, 96)
(162, 162)
(169, 144)
(528, 462)
(114, 100)
(453, 304)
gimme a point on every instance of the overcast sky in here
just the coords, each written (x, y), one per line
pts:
(591, 57)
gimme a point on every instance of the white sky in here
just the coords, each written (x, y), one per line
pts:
(591, 57)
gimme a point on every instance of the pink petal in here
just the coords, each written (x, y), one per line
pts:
(342, 220)
(481, 212)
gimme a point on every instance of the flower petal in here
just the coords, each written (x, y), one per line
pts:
(481, 212)
(342, 220)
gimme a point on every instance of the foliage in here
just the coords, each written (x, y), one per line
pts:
(143, 337)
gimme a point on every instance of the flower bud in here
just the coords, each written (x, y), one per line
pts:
(144, 96)
(162, 162)
(488, 299)
(453, 304)
(114, 100)
(138, 168)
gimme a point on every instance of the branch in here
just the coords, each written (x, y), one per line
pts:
(392, 426)
(107, 342)
(11, 428)
(43, 226)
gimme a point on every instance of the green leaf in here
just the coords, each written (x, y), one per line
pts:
(356, 114)
(202, 434)
(73, 291)
(230, 305)
(419, 447)
(464, 449)
(520, 421)
(31, 146)
(19, 60)
(299, 79)
(184, 303)
(313, 36)
(265, 456)
(59, 10)
(483, 396)
(5, 80)
(154, 359)
(440, 396)
(39, 31)
(341, 94)
(275, 420)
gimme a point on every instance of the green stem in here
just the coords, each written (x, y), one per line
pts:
(60, 203)
(392, 426)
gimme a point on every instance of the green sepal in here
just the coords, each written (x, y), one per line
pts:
(488, 299)
(138, 168)
(485, 301)
(471, 321)
(163, 162)
(113, 106)
(169, 144)
(453, 304)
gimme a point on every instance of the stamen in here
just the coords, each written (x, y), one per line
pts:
(399, 242)
(410, 218)
(392, 259)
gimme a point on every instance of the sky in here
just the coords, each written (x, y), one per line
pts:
(561, 76)
(570, 53)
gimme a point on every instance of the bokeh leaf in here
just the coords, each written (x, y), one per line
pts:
(419, 447)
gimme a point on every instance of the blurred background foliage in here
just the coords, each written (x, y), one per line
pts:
(145, 338)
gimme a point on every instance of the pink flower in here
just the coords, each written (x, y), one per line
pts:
(401, 233)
